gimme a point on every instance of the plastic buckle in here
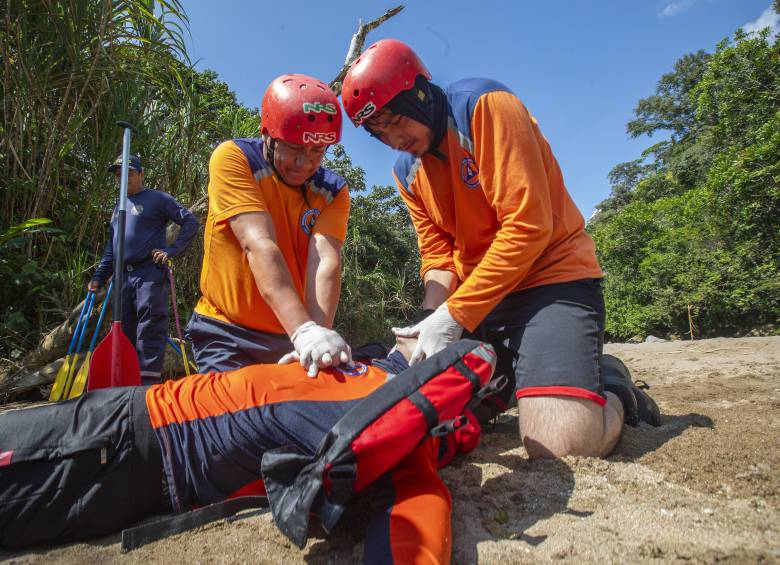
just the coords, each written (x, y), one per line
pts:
(342, 482)
(494, 386)
(450, 426)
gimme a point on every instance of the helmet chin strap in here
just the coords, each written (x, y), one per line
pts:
(269, 152)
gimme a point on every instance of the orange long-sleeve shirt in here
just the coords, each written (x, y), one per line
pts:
(496, 212)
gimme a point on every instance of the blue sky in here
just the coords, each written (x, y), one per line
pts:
(579, 66)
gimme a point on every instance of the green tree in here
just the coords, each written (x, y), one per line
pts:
(381, 286)
(739, 90)
(671, 109)
(694, 222)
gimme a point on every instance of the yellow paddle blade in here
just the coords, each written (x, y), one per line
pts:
(80, 382)
(74, 365)
(60, 380)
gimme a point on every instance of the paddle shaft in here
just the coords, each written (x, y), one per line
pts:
(117, 343)
(100, 318)
(174, 303)
(119, 243)
(90, 303)
(72, 369)
(78, 325)
(175, 306)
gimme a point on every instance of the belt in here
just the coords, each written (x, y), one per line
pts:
(133, 266)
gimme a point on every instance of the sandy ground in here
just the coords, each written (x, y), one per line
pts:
(701, 488)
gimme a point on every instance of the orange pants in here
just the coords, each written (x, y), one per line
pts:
(411, 522)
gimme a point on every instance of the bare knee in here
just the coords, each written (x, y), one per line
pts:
(557, 426)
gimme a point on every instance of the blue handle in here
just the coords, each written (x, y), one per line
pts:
(90, 301)
(100, 318)
(78, 324)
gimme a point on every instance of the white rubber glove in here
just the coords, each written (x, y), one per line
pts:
(433, 334)
(317, 347)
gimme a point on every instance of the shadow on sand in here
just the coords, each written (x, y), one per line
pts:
(521, 492)
(644, 439)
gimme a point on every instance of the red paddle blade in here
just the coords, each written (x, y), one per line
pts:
(114, 362)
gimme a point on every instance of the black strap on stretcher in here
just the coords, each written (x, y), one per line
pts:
(133, 538)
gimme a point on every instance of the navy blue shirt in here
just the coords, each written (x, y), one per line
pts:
(148, 214)
(394, 363)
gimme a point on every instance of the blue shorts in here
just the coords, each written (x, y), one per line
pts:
(218, 346)
(550, 338)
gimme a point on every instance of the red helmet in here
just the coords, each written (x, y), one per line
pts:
(302, 110)
(386, 68)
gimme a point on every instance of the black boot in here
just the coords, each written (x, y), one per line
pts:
(637, 404)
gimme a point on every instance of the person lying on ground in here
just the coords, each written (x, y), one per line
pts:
(277, 220)
(504, 251)
(93, 465)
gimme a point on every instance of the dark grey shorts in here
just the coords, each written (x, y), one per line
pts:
(550, 338)
(219, 346)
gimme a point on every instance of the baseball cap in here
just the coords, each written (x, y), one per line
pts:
(134, 163)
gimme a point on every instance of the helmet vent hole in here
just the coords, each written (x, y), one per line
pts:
(330, 118)
(356, 93)
(311, 118)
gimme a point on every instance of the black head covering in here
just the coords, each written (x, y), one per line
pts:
(425, 103)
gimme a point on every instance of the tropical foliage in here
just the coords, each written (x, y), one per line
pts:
(71, 69)
(381, 286)
(694, 224)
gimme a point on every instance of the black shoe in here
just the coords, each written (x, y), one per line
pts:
(637, 404)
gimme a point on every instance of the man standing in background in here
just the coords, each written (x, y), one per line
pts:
(145, 287)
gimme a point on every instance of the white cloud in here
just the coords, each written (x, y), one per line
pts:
(671, 8)
(769, 18)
